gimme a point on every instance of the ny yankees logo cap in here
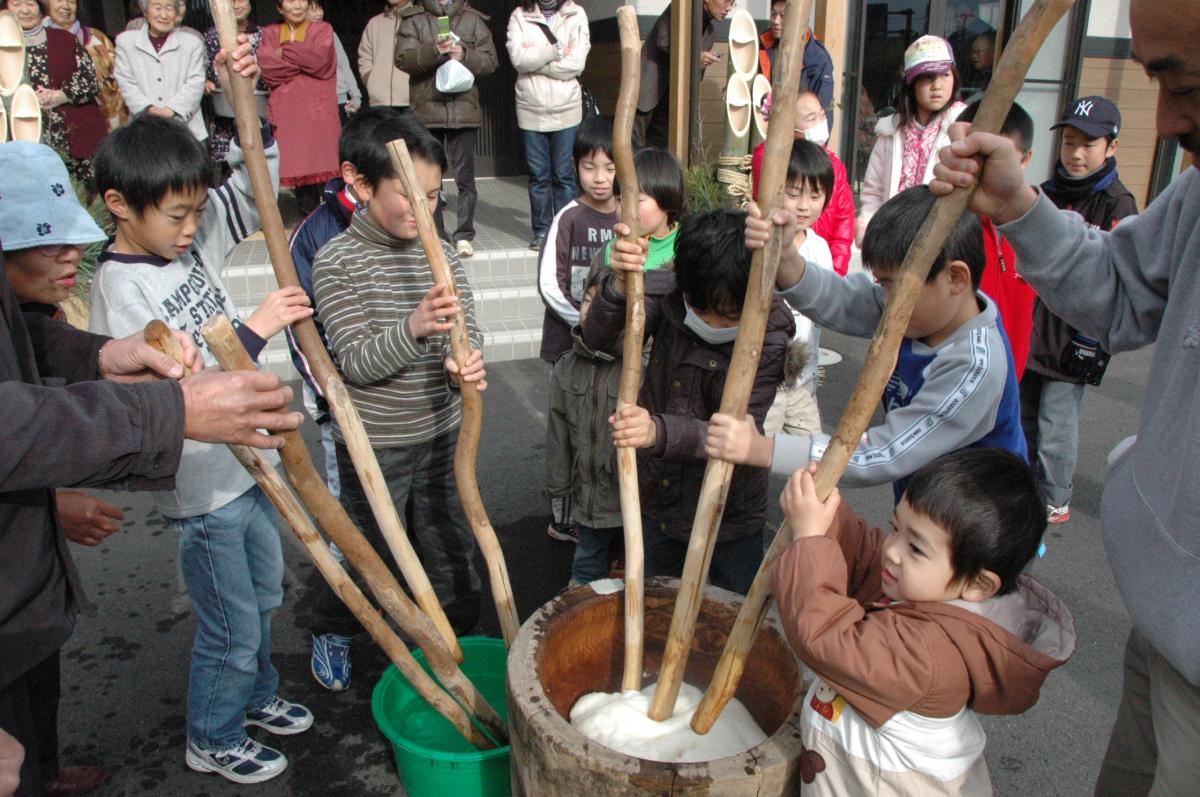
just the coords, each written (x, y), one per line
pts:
(1094, 116)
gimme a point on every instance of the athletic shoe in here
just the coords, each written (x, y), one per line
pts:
(1058, 514)
(281, 717)
(248, 762)
(465, 248)
(565, 532)
(331, 661)
(536, 242)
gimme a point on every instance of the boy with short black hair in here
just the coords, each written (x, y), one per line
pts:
(1063, 359)
(387, 323)
(953, 385)
(173, 234)
(1013, 296)
(692, 312)
(576, 234)
(330, 218)
(911, 634)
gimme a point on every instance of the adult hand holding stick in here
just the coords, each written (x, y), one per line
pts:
(742, 367)
(472, 400)
(1009, 76)
(631, 353)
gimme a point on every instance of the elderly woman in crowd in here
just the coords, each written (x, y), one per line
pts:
(224, 126)
(63, 14)
(299, 65)
(160, 69)
(548, 45)
(62, 74)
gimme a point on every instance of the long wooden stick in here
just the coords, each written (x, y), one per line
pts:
(742, 367)
(631, 352)
(158, 335)
(228, 350)
(370, 475)
(328, 512)
(1007, 81)
(290, 509)
(467, 451)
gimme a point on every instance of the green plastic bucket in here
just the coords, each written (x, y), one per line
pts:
(433, 758)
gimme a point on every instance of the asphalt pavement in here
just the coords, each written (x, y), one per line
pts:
(125, 669)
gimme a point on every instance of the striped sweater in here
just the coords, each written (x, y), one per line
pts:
(367, 284)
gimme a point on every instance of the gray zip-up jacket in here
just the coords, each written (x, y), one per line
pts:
(1138, 285)
(939, 399)
(581, 460)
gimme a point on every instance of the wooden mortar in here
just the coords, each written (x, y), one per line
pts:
(575, 645)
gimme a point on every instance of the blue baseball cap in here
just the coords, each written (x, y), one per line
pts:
(38, 206)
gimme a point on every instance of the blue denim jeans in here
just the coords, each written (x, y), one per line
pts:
(734, 563)
(594, 552)
(551, 174)
(232, 564)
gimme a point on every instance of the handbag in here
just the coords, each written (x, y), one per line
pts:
(453, 78)
(590, 108)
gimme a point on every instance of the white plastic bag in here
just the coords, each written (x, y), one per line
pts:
(453, 78)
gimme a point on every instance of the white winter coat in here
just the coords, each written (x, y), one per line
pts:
(883, 171)
(548, 94)
(171, 78)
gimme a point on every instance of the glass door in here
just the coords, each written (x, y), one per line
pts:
(875, 72)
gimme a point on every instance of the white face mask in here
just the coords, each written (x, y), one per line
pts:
(712, 335)
(818, 133)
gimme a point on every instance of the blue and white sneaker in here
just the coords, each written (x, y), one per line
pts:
(281, 717)
(331, 661)
(247, 762)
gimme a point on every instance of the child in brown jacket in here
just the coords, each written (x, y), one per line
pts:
(909, 634)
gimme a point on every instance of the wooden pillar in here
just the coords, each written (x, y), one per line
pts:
(681, 70)
(832, 19)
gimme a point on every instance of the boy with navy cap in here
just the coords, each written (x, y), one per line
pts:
(1062, 359)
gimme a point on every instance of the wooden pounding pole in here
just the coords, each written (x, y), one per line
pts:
(294, 515)
(228, 350)
(631, 352)
(328, 512)
(742, 367)
(374, 485)
(469, 432)
(1006, 82)
(158, 335)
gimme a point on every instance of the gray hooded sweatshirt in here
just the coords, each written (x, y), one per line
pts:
(1137, 285)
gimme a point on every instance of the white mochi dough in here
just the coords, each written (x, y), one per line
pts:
(618, 720)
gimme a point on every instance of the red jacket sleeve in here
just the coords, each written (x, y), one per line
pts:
(756, 169)
(836, 224)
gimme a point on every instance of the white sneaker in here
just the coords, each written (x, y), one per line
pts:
(248, 762)
(465, 248)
